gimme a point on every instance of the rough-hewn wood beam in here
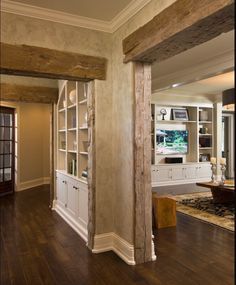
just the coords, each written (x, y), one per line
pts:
(181, 26)
(91, 165)
(30, 94)
(142, 164)
(48, 63)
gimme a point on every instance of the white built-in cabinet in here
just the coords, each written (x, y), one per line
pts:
(200, 145)
(71, 199)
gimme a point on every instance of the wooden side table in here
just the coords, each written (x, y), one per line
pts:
(220, 193)
(164, 211)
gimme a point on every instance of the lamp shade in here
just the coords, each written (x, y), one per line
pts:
(228, 97)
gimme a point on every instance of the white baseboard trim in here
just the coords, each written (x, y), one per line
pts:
(154, 257)
(33, 183)
(111, 241)
(79, 229)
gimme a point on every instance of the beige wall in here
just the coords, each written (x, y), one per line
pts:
(33, 137)
(23, 30)
(123, 122)
(114, 106)
(34, 141)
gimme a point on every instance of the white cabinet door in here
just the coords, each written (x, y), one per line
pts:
(191, 172)
(178, 173)
(163, 174)
(61, 191)
(83, 204)
(72, 201)
(204, 171)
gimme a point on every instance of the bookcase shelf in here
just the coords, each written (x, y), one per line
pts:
(72, 126)
(199, 127)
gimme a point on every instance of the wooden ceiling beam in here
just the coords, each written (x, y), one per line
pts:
(48, 63)
(181, 26)
(28, 94)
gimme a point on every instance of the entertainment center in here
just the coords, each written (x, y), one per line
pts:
(182, 143)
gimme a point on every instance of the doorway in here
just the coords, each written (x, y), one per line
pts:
(7, 150)
(228, 142)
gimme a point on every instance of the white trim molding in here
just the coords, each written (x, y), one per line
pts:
(76, 224)
(129, 11)
(33, 183)
(111, 241)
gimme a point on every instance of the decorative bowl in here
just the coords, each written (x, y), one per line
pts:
(72, 96)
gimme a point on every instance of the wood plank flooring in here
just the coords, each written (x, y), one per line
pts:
(38, 247)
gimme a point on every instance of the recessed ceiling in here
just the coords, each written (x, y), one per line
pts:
(104, 10)
(211, 87)
(184, 66)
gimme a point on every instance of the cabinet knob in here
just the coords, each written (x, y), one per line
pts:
(76, 188)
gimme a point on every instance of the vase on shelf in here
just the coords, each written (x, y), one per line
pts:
(72, 96)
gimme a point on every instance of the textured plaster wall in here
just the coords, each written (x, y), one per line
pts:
(123, 122)
(114, 109)
(23, 30)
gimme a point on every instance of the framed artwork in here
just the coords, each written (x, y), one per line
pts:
(179, 114)
(204, 157)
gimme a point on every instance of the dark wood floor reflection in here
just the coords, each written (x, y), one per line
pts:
(38, 247)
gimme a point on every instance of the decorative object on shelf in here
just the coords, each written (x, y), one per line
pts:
(85, 90)
(74, 145)
(72, 167)
(86, 117)
(179, 114)
(223, 169)
(203, 131)
(204, 142)
(163, 112)
(203, 115)
(85, 173)
(64, 103)
(213, 170)
(204, 157)
(72, 96)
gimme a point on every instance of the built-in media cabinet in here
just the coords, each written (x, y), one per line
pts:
(182, 144)
(72, 155)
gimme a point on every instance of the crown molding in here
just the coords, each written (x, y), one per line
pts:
(129, 11)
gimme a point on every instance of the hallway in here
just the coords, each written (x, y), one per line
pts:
(38, 247)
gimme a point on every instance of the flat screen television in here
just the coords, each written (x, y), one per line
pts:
(171, 141)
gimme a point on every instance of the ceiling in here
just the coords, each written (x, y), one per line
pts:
(196, 63)
(104, 10)
(101, 15)
(211, 87)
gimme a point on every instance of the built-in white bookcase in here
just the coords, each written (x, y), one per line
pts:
(71, 199)
(195, 165)
(73, 129)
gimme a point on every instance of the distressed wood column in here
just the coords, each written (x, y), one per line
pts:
(142, 163)
(91, 165)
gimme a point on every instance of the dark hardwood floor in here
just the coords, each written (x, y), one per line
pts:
(38, 247)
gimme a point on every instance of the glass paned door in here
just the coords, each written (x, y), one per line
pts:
(7, 149)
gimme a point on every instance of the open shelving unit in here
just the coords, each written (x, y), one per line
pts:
(199, 126)
(195, 164)
(72, 137)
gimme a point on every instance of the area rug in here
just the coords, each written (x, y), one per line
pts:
(200, 205)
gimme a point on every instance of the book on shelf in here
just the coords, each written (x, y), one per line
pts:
(73, 167)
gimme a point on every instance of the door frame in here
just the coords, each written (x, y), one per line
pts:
(13, 160)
